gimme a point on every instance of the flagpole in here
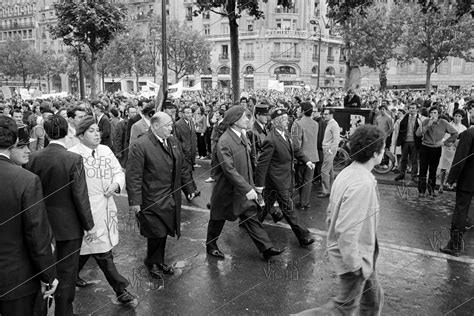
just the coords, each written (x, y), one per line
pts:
(164, 50)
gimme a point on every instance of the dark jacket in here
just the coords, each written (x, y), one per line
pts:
(25, 233)
(64, 184)
(188, 139)
(234, 177)
(462, 168)
(275, 169)
(466, 120)
(354, 102)
(154, 177)
(105, 131)
(403, 129)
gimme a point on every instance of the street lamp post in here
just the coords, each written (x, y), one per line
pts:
(314, 22)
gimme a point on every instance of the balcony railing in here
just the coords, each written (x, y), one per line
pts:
(279, 10)
(248, 56)
(14, 26)
(223, 56)
(285, 56)
(330, 58)
(288, 33)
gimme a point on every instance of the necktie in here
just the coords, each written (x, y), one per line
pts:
(93, 153)
(165, 145)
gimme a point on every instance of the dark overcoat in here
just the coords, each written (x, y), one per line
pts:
(25, 233)
(275, 169)
(462, 168)
(155, 177)
(186, 134)
(233, 178)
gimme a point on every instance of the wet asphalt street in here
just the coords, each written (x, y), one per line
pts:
(417, 279)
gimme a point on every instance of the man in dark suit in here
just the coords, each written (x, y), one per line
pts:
(25, 234)
(63, 179)
(275, 174)
(234, 195)
(141, 127)
(155, 173)
(462, 172)
(409, 142)
(186, 135)
(467, 119)
(259, 129)
(352, 100)
(103, 122)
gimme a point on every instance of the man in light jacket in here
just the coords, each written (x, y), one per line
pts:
(331, 141)
(352, 234)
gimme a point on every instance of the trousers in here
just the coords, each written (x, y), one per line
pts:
(105, 261)
(409, 150)
(253, 227)
(327, 171)
(429, 160)
(67, 258)
(285, 201)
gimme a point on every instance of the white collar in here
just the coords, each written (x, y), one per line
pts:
(100, 117)
(57, 142)
(238, 133)
(89, 150)
(162, 140)
(281, 133)
(5, 155)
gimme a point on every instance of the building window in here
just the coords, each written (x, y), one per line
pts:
(207, 30)
(206, 15)
(250, 26)
(249, 70)
(189, 14)
(224, 70)
(285, 70)
(225, 28)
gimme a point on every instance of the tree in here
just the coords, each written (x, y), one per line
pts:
(344, 14)
(232, 9)
(18, 59)
(435, 35)
(49, 65)
(91, 24)
(188, 51)
(376, 35)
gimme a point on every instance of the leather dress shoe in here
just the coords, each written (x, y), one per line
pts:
(154, 271)
(81, 283)
(166, 269)
(215, 252)
(306, 241)
(125, 297)
(270, 252)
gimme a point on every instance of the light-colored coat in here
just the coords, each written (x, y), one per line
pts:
(353, 213)
(304, 133)
(101, 172)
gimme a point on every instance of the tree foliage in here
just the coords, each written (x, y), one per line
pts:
(91, 24)
(50, 65)
(18, 59)
(434, 36)
(188, 51)
(233, 9)
(375, 37)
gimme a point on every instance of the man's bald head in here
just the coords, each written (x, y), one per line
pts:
(161, 124)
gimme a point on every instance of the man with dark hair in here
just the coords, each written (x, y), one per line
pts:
(74, 117)
(217, 130)
(409, 142)
(352, 218)
(64, 183)
(26, 260)
(141, 127)
(330, 144)
(305, 136)
(103, 121)
(185, 132)
(17, 115)
(352, 100)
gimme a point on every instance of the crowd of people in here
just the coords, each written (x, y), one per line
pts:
(66, 159)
